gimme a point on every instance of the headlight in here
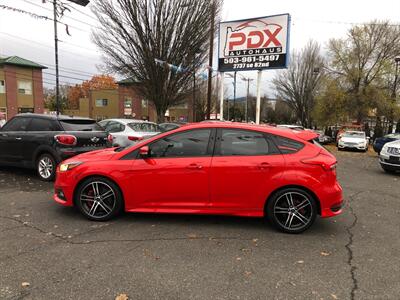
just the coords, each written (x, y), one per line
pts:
(69, 166)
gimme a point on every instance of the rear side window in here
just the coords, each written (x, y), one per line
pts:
(288, 146)
(144, 127)
(114, 127)
(38, 124)
(80, 125)
(16, 124)
(245, 143)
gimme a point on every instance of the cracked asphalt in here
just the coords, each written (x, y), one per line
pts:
(146, 256)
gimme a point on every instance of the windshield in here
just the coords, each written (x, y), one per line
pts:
(80, 125)
(144, 127)
(354, 134)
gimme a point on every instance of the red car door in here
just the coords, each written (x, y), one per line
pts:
(245, 168)
(176, 173)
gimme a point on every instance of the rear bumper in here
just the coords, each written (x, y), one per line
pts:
(331, 201)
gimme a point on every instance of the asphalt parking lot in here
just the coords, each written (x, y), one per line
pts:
(51, 252)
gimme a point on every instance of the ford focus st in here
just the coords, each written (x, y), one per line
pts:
(208, 168)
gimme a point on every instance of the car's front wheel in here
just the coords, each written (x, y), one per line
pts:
(46, 167)
(292, 210)
(99, 199)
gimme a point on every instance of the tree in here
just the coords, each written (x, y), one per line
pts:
(158, 43)
(97, 82)
(298, 84)
(362, 61)
(49, 95)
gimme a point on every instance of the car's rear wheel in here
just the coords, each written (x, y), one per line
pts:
(46, 167)
(99, 199)
(292, 210)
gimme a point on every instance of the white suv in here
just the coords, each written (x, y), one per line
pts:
(389, 156)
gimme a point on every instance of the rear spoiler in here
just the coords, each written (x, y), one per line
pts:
(306, 135)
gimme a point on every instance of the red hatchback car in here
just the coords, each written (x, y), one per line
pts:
(208, 168)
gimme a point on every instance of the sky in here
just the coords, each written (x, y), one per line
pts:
(79, 59)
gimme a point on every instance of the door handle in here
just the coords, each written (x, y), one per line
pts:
(195, 166)
(18, 138)
(264, 165)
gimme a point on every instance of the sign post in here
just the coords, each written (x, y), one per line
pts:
(254, 44)
(221, 97)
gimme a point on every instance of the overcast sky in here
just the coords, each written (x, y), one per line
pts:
(32, 38)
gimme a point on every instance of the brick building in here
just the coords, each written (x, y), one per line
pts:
(21, 86)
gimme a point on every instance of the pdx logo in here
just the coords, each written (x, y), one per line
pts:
(254, 37)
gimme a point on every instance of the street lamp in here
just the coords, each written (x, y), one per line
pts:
(79, 2)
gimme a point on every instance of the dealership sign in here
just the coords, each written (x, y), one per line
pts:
(254, 44)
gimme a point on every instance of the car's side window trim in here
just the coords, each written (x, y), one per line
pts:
(268, 137)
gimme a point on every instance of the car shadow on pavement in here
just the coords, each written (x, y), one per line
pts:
(232, 223)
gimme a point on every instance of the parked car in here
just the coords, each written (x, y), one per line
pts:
(356, 140)
(126, 132)
(348, 127)
(43, 141)
(389, 157)
(208, 168)
(164, 127)
(379, 142)
(323, 138)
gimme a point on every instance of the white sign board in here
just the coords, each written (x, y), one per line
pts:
(254, 44)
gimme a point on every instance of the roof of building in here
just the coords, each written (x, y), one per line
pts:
(21, 62)
(128, 81)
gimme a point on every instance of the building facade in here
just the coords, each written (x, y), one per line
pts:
(124, 102)
(21, 86)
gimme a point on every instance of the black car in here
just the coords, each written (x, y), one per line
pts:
(43, 141)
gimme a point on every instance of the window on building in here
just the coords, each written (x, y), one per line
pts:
(128, 103)
(2, 86)
(25, 87)
(144, 103)
(101, 102)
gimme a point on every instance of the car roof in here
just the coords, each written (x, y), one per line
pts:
(282, 131)
(51, 117)
(127, 121)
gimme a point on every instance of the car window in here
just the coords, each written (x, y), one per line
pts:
(185, 144)
(16, 124)
(245, 142)
(113, 126)
(287, 146)
(144, 127)
(39, 124)
(80, 125)
(103, 123)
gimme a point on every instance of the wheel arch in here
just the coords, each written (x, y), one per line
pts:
(45, 150)
(83, 179)
(317, 201)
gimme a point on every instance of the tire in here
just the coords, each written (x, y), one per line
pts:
(46, 167)
(282, 212)
(99, 199)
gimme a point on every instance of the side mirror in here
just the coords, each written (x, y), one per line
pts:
(144, 151)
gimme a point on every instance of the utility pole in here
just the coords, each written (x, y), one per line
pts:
(81, 3)
(247, 97)
(396, 75)
(210, 60)
(56, 57)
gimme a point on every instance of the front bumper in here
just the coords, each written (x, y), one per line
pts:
(389, 162)
(64, 188)
(355, 147)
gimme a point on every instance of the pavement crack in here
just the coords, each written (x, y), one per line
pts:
(349, 249)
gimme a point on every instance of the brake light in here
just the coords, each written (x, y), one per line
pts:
(66, 139)
(328, 163)
(135, 138)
